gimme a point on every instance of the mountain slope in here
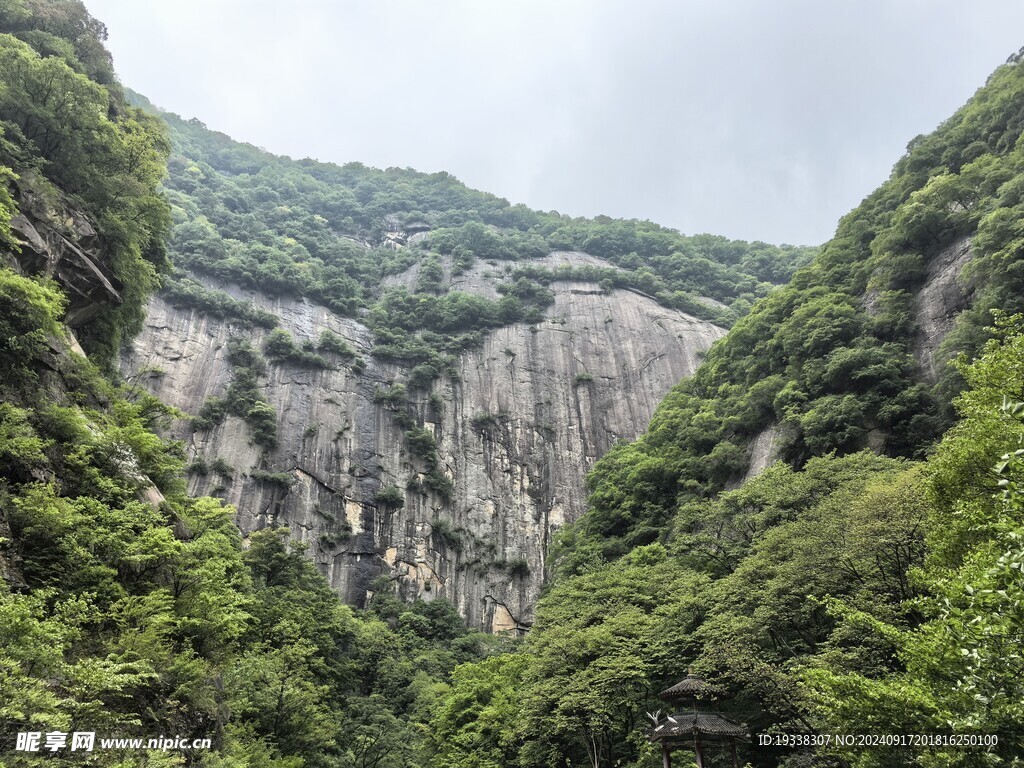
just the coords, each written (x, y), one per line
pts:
(515, 428)
(853, 352)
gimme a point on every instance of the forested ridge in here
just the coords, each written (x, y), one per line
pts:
(871, 581)
(832, 362)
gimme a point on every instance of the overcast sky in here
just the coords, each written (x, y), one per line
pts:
(756, 119)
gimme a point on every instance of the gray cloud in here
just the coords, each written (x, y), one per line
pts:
(752, 119)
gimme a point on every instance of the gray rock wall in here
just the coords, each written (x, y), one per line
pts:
(520, 426)
(942, 297)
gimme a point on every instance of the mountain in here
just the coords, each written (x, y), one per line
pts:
(440, 372)
(128, 608)
(397, 383)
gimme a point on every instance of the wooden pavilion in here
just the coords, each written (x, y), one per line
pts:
(696, 726)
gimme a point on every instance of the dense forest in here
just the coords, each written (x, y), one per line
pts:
(870, 581)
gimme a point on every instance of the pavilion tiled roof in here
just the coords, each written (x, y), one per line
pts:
(707, 724)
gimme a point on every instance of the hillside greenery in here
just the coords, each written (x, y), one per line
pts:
(860, 594)
(828, 361)
(67, 132)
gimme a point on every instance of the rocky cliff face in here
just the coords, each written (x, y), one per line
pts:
(516, 430)
(942, 297)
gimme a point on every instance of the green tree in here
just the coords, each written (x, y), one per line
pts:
(476, 723)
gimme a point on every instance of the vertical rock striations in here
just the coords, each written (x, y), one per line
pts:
(516, 431)
(942, 297)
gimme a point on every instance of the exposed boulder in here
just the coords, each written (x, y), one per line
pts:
(57, 240)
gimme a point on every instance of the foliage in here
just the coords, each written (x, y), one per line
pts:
(186, 292)
(30, 313)
(390, 496)
(423, 447)
(334, 344)
(395, 397)
(8, 207)
(484, 422)
(599, 639)
(243, 397)
(280, 347)
(475, 726)
(960, 670)
(283, 480)
(68, 132)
